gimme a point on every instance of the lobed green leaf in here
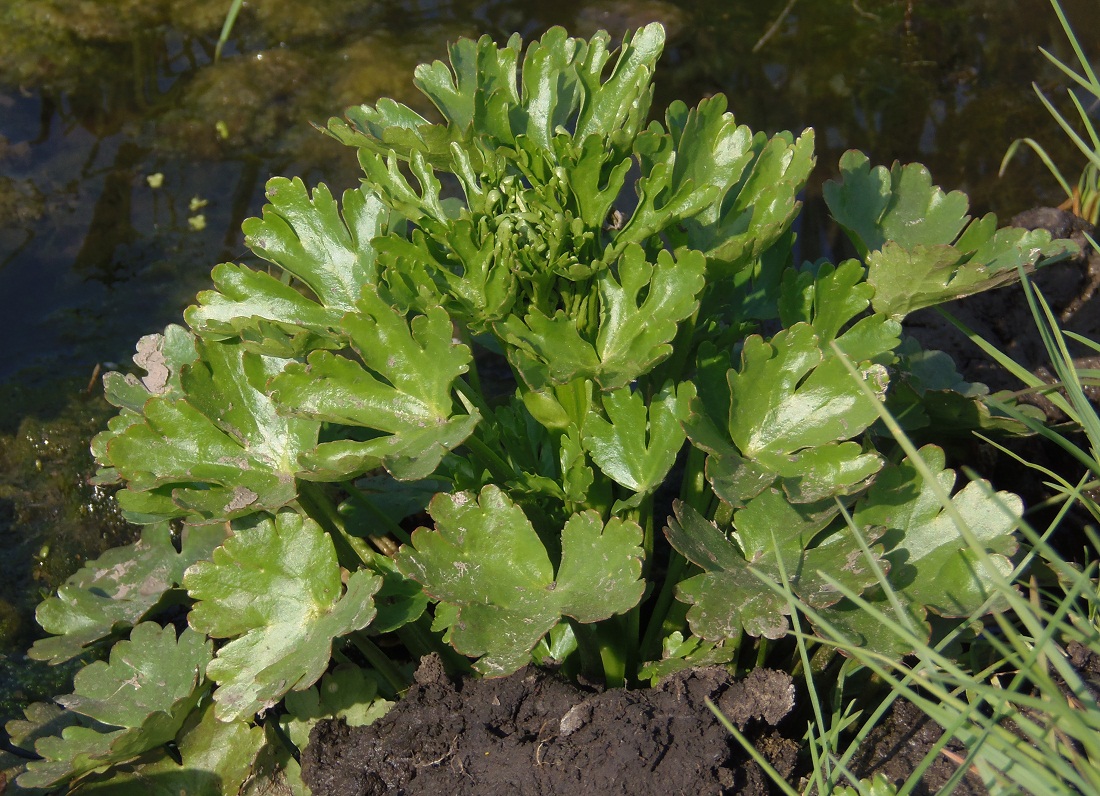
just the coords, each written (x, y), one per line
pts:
(485, 559)
(146, 690)
(276, 591)
(118, 589)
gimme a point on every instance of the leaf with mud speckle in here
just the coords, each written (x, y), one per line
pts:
(137, 701)
(932, 565)
(218, 757)
(219, 450)
(118, 589)
(919, 248)
(275, 590)
(772, 539)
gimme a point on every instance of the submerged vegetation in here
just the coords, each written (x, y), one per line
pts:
(454, 413)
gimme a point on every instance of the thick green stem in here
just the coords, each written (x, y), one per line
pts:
(601, 648)
(489, 459)
(694, 488)
(383, 519)
(682, 346)
(380, 661)
(352, 552)
(655, 629)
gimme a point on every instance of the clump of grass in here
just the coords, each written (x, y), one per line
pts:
(1083, 199)
(1026, 716)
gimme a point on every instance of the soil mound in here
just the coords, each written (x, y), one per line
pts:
(533, 734)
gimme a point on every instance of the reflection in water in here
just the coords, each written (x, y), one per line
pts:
(101, 98)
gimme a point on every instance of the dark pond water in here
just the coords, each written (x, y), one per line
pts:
(128, 160)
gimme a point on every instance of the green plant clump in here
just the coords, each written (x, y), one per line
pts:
(547, 322)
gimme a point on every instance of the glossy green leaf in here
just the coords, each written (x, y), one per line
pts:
(276, 591)
(787, 395)
(326, 247)
(636, 445)
(312, 239)
(220, 452)
(620, 103)
(485, 558)
(636, 333)
(118, 589)
(404, 392)
(145, 690)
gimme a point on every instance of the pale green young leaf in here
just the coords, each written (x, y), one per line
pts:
(547, 351)
(756, 209)
(485, 559)
(636, 333)
(461, 91)
(404, 392)
(901, 205)
(617, 107)
(636, 445)
(276, 591)
(146, 690)
(679, 654)
(118, 589)
(311, 239)
(393, 127)
(222, 451)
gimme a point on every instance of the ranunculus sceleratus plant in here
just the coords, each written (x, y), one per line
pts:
(549, 323)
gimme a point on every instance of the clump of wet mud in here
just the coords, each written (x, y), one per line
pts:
(533, 734)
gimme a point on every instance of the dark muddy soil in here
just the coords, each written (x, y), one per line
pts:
(534, 734)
